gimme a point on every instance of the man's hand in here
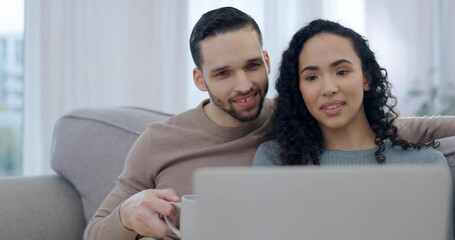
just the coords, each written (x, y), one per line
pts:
(143, 212)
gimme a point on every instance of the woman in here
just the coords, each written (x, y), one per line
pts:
(334, 106)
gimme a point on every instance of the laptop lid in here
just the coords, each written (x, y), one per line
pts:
(312, 203)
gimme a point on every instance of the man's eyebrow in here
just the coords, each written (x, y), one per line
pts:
(219, 69)
(258, 59)
(252, 60)
(334, 64)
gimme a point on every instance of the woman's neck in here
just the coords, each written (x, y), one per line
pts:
(358, 137)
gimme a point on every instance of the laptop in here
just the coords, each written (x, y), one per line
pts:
(322, 203)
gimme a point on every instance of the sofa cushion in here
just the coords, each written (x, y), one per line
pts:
(90, 146)
(44, 207)
(447, 147)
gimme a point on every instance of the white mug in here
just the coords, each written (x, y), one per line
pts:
(187, 219)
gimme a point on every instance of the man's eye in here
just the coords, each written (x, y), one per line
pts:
(222, 74)
(253, 66)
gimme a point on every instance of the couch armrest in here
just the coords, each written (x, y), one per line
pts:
(44, 207)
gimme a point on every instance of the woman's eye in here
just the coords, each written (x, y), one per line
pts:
(311, 78)
(342, 72)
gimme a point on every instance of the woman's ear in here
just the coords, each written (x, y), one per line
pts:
(198, 79)
(366, 82)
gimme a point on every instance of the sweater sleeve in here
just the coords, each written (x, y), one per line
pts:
(106, 224)
(268, 154)
(108, 227)
(425, 129)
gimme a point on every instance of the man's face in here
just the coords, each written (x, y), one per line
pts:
(234, 72)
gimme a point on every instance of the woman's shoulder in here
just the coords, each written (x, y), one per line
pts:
(271, 145)
(422, 155)
(267, 154)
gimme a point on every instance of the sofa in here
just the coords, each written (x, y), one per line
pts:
(88, 151)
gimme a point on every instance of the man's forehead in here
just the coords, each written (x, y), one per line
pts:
(231, 48)
(246, 29)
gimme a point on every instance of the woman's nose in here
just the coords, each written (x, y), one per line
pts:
(329, 87)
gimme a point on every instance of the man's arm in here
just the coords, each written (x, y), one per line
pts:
(132, 207)
(143, 212)
(425, 129)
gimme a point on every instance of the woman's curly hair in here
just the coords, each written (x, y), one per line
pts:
(297, 131)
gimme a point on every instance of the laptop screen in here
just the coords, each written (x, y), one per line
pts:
(374, 202)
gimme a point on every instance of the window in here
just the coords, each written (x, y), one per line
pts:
(18, 52)
(11, 86)
(2, 51)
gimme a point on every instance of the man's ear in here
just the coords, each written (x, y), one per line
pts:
(198, 79)
(267, 61)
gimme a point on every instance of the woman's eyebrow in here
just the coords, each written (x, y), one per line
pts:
(338, 62)
(334, 64)
(308, 68)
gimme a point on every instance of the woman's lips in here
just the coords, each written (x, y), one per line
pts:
(333, 107)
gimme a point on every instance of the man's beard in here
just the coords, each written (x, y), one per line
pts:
(229, 109)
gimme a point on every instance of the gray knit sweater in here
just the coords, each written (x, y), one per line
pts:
(268, 154)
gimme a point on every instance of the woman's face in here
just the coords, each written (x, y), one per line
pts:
(332, 82)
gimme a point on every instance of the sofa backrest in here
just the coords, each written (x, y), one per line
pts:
(90, 146)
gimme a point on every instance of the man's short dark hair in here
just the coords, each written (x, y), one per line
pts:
(218, 21)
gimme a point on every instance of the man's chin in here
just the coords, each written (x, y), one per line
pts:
(249, 114)
(246, 117)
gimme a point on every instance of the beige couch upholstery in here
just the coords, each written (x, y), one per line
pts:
(88, 151)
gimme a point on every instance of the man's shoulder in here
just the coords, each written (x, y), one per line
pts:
(188, 116)
(184, 118)
(172, 127)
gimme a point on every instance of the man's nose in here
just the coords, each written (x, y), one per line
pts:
(242, 82)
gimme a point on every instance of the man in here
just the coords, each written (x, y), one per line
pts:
(226, 45)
